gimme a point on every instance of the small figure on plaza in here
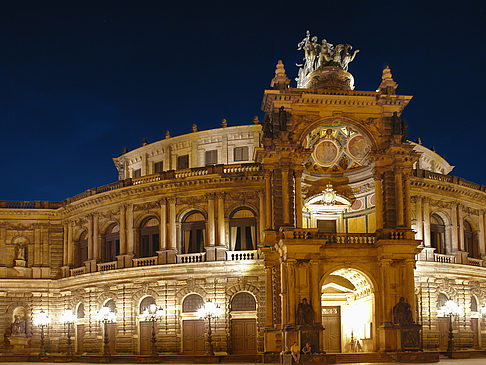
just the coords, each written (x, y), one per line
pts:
(305, 313)
(295, 352)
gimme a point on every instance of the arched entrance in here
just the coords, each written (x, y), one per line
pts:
(348, 312)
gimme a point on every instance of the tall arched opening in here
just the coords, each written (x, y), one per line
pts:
(348, 312)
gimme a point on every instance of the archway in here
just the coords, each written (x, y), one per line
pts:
(348, 312)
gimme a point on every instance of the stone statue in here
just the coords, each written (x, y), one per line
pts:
(20, 252)
(305, 313)
(324, 54)
(18, 326)
(282, 119)
(402, 313)
(347, 57)
(399, 127)
(267, 127)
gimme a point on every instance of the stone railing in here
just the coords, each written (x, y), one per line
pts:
(241, 255)
(447, 259)
(78, 271)
(448, 178)
(106, 266)
(145, 261)
(474, 262)
(329, 238)
(190, 258)
(36, 204)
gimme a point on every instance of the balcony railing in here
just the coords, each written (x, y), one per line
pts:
(329, 238)
(474, 262)
(145, 261)
(241, 255)
(448, 259)
(448, 178)
(106, 266)
(78, 271)
(190, 258)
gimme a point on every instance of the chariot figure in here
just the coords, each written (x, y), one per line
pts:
(347, 57)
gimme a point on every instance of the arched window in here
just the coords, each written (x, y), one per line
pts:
(193, 233)
(192, 303)
(146, 303)
(441, 300)
(81, 249)
(80, 311)
(111, 247)
(242, 230)
(437, 234)
(149, 237)
(243, 302)
(474, 304)
(470, 243)
(110, 304)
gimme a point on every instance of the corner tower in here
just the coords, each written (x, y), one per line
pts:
(337, 207)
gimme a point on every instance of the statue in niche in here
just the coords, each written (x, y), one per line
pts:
(305, 313)
(282, 119)
(19, 325)
(399, 127)
(402, 313)
(20, 252)
(267, 127)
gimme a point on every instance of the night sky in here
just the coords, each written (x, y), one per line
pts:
(79, 84)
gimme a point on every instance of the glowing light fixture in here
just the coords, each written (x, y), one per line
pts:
(209, 311)
(69, 318)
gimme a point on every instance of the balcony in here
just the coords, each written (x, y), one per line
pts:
(364, 239)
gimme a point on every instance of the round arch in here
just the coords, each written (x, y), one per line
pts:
(348, 303)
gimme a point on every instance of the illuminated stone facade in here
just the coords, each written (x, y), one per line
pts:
(325, 200)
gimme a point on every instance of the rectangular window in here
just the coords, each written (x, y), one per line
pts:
(158, 167)
(137, 173)
(211, 157)
(182, 162)
(326, 226)
(241, 154)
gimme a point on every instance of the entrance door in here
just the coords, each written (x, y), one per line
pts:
(80, 339)
(243, 336)
(193, 337)
(111, 328)
(331, 320)
(475, 332)
(145, 338)
(443, 333)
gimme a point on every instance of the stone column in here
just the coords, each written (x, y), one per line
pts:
(419, 226)
(211, 215)
(283, 293)
(172, 231)
(269, 296)
(285, 195)
(268, 200)
(65, 260)
(130, 231)
(407, 202)
(261, 216)
(399, 198)
(298, 198)
(163, 224)
(454, 229)
(96, 239)
(316, 291)
(378, 202)
(426, 222)
(460, 219)
(70, 245)
(291, 289)
(221, 230)
(123, 230)
(90, 237)
(481, 233)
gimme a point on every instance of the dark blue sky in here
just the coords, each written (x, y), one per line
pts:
(79, 84)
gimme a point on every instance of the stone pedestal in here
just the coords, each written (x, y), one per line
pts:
(166, 257)
(220, 253)
(210, 253)
(388, 337)
(91, 265)
(310, 334)
(427, 254)
(410, 337)
(461, 257)
(19, 342)
(39, 272)
(20, 263)
(124, 261)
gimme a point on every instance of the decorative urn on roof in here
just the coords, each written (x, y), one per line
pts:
(325, 66)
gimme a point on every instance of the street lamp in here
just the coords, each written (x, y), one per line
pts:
(209, 311)
(42, 320)
(449, 309)
(68, 318)
(152, 314)
(105, 316)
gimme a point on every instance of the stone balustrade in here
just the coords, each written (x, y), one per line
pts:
(328, 238)
(474, 262)
(448, 178)
(145, 261)
(78, 271)
(191, 258)
(106, 266)
(448, 259)
(241, 255)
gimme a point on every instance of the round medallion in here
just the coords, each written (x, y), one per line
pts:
(325, 153)
(358, 147)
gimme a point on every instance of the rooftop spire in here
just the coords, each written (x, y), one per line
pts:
(388, 85)
(280, 81)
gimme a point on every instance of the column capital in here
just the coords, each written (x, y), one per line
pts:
(209, 196)
(162, 201)
(172, 200)
(220, 194)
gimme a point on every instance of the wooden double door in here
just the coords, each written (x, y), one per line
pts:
(145, 337)
(243, 336)
(331, 321)
(193, 337)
